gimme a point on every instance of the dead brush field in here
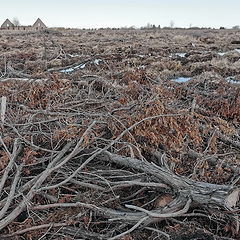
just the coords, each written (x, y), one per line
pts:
(120, 134)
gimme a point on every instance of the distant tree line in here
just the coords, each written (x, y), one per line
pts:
(148, 26)
(236, 27)
(151, 26)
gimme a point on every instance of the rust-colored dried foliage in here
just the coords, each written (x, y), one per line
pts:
(49, 108)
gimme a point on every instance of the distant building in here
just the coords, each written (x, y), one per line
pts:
(38, 25)
(7, 24)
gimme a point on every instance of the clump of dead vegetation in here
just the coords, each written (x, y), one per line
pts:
(99, 142)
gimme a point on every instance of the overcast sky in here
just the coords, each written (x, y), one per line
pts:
(120, 13)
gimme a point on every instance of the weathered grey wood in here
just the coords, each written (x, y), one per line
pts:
(213, 195)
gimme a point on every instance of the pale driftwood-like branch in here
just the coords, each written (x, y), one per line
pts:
(110, 214)
(159, 232)
(69, 66)
(30, 183)
(3, 108)
(138, 183)
(38, 181)
(163, 215)
(12, 192)
(12, 158)
(82, 233)
(223, 196)
(34, 228)
(129, 230)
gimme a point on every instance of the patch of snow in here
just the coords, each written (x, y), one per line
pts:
(180, 54)
(72, 69)
(181, 79)
(97, 61)
(221, 53)
(82, 66)
(68, 70)
(141, 55)
(232, 80)
(206, 52)
(142, 67)
(73, 55)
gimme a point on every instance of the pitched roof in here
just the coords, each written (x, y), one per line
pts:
(39, 21)
(7, 21)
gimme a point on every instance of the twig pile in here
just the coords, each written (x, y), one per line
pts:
(120, 156)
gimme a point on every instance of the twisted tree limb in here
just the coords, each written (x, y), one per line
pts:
(201, 193)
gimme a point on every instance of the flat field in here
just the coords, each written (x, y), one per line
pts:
(120, 134)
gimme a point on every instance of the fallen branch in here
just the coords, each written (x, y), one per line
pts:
(214, 195)
(34, 228)
(228, 140)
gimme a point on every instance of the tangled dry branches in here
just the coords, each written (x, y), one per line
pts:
(122, 156)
